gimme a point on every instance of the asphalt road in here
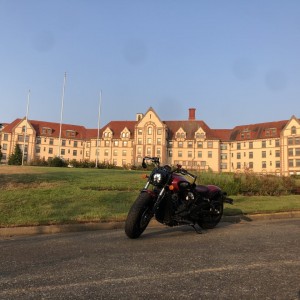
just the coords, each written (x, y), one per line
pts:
(248, 260)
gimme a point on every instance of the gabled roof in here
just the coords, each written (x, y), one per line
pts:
(9, 127)
(39, 125)
(190, 127)
(258, 131)
(118, 126)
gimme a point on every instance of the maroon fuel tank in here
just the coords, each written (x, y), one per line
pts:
(179, 182)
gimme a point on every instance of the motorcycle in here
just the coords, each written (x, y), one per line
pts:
(173, 198)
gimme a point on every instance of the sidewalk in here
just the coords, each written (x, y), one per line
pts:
(48, 229)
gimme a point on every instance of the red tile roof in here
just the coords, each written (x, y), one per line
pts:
(257, 131)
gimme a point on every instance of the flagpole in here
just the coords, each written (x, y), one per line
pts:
(26, 118)
(98, 132)
(61, 113)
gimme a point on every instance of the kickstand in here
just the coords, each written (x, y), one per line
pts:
(197, 230)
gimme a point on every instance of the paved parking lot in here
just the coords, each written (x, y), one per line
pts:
(248, 260)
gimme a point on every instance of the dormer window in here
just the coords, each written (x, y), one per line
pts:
(46, 130)
(70, 133)
(293, 130)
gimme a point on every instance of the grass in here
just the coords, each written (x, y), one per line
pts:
(42, 195)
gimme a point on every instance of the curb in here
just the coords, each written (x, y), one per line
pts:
(50, 229)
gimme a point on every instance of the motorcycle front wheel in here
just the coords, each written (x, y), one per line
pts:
(139, 216)
(212, 218)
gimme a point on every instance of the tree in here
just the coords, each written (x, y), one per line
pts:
(16, 157)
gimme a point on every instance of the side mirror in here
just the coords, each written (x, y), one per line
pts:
(144, 165)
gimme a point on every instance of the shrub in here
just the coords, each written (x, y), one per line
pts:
(57, 162)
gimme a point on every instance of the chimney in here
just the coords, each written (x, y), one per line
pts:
(192, 112)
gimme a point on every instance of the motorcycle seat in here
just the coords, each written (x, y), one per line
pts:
(202, 189)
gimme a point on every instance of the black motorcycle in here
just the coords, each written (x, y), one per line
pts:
(174, 200)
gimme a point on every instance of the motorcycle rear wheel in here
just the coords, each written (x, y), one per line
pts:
(209, 221)
(139, 216)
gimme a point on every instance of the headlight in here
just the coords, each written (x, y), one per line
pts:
(157, 178)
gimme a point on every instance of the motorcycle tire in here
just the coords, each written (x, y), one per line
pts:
(139, 216)
(209, 221)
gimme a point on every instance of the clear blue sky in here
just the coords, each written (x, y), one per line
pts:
(236, 62)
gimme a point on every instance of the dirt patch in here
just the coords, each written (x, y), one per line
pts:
(4, 169)
(31, 185)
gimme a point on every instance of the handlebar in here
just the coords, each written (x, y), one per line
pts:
(178, 169)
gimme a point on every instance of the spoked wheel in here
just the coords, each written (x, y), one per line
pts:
(213, 217)
(139, 216)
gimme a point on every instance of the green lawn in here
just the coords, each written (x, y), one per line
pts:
(40, 195)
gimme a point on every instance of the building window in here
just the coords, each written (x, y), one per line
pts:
(139, 150)
(238, 165)
(291, 163)
(158, 151)
(293, 130)
(250, 154)
(297, 162)
(297, 141)
(139, 141)
(223, 147)
(238, 146)
(263, 144)
(140, 131)
(148, 151)
(250, 145)
(179, 153)
(290, 141)
(159, 141)
(190, 154)
(107, 143)
(63, 143)
(37, 150)
(62, 151)
(263, 154)
(125, 144)
(5, 137)
(277, 143)
(238, 155)
(50, 151)
(290, 152)
(87, 153)
(4, 147)
(180, 144)
(209, 154)
(106, 152)
(263, 164)
(115, 153)
(149, 141)
(116, 143)
(277, 163)
(124, 152)
(51, 141)
(297, 151)
(74, 152)
(159, 131)
(199, 154)
(251, 165)
(200, 145)
(277, 153)
(149, 130)
(223, 166)
(209, 144)
(223, 156)
(170, 153)
(75, 143)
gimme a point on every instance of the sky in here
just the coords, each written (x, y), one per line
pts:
(236, 61)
